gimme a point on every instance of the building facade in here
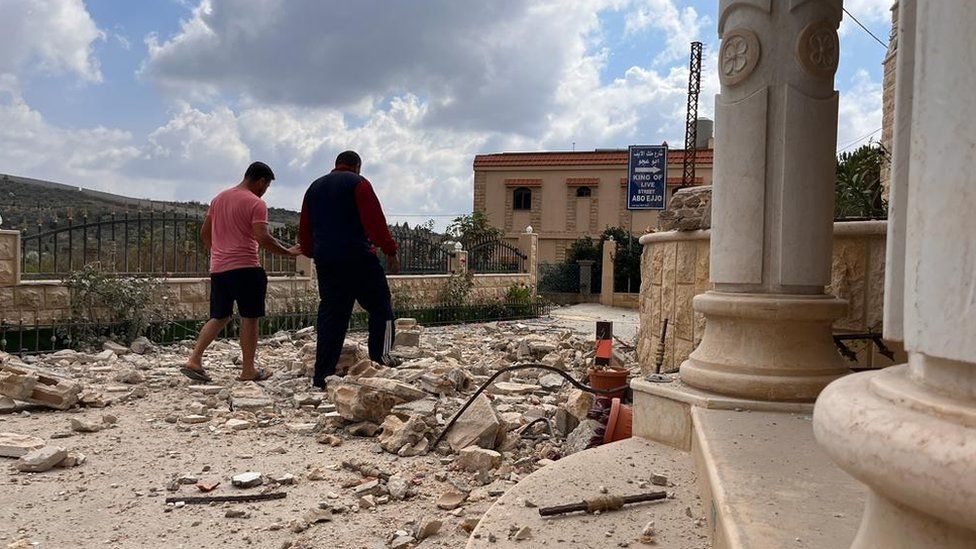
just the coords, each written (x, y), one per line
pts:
(565, 196)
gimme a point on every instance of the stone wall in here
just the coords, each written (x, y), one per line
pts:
(46, 301)
(675, 268)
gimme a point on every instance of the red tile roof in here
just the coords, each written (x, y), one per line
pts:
(587, 158)
(582, 181)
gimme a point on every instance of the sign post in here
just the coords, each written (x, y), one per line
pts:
(647, 177)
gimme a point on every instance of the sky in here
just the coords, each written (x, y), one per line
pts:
(171, 99)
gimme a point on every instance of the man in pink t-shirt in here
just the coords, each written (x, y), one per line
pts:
(235, 228)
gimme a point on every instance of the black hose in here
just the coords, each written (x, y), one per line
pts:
(494, 376)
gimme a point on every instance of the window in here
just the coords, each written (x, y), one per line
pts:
(583, 192)
(523, 199)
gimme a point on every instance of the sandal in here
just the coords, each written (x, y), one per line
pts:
(262, 375)
(196, 375)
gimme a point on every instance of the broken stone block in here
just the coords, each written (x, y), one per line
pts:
(425, 408)
(84, 425)
(512, 388)
(402, 542)
(36, 386)
(235, 424)
(140, 345)
(659, 480)
(449, 501)
(370, 398)
(7, 405)
(113, 347)
(14, 445)
(369, 487)
(579, 403)
(565, 422)
(247, 480)
(408, 337)
(42, 459)
(551, 381)
(352, 354)
(73, 459)
(194, 418)
(522, 534)
(363, 429)
(475, 460)
(307, 399)
(578, 440)
(397, 433)
(398, 487)
(479, 425)
(427, 527)
(131, 377)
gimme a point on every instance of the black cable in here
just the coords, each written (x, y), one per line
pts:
(494, 376)
(883, 45)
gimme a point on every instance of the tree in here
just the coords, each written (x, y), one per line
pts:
(473, 228)
(857, 193)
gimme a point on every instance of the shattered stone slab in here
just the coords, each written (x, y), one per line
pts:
(36, 386)
(42, 459)
(15, 445)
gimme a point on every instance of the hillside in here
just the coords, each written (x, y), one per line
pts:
(26, 202)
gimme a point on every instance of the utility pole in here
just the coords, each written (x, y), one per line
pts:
(691, 120)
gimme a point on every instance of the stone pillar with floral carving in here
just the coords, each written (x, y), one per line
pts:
(768, 334)
(909, 431)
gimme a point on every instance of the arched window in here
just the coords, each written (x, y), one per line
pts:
(583, 192)
(523, 199)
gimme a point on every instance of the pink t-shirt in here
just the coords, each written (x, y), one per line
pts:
(232, 214)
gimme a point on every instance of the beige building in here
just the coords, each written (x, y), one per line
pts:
(564, 196)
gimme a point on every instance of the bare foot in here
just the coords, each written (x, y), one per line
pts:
(259, 374)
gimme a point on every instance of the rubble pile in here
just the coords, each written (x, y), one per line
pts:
(524, 421)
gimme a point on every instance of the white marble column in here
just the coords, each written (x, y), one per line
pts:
(909, 432)
(768, 335)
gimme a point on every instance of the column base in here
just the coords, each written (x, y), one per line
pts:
(765, 346)
(915, 448)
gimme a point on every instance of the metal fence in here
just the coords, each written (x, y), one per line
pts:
(33, 338)
(420, 252)
(144, 243)
(494, 256)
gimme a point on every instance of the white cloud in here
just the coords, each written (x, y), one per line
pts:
(860, 109)
(875, 14)
(48, 36)
(681, 26)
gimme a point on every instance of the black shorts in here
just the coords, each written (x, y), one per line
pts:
(248, 287)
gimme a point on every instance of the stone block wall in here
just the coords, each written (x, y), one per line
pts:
(9, 258)
(675, 268)
(426, 289)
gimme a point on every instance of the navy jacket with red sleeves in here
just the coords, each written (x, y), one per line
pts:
(341, 216)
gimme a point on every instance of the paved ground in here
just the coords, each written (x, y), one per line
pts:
(582, 318)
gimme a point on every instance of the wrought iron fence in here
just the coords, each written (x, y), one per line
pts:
(420, 252)
(145, 243)
(34, 338)
(494, 256)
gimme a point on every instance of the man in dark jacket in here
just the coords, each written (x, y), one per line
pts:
(341, 222)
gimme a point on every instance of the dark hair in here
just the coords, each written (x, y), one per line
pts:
(349, 158)
(259, 170)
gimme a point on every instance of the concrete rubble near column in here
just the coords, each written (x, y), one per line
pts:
(368, 460)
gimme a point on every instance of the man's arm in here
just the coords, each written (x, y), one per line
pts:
(268, 242)
(206, 232)
(306, 238)
(374, 222)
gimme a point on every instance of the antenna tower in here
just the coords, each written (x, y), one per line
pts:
(691, 121)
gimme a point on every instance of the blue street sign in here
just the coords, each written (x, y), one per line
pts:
(647, 177)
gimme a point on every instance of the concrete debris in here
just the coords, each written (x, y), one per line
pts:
(427, 527)
(400, 411)
(85, 425)
(14, 445)
(475, 460)
(480, 425)
(42, 459)
(521, 534)
(580, 437)
(247, 480)
(116, 348)
(21, 382)
(370, 398)
(659, 479)
(450, 500)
